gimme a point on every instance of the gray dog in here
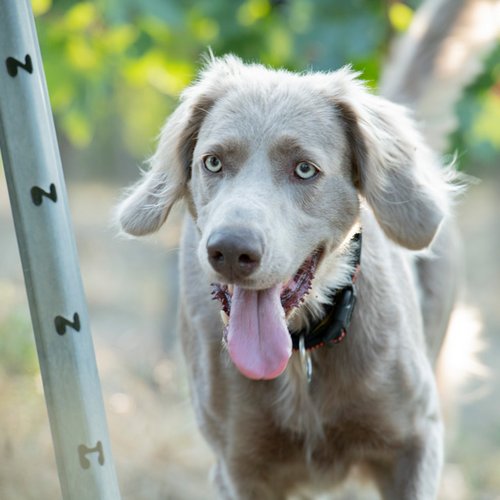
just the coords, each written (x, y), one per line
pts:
(320, 222)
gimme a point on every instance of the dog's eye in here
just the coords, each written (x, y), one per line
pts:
(306, 170)
(212, 164)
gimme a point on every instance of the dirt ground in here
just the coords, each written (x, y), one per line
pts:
(131, 291)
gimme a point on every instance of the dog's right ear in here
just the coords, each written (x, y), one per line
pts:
(148, 203)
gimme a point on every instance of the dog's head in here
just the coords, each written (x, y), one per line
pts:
(272, 165)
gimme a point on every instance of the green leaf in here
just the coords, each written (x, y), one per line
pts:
(400, 16)
(253, 10)
(486, 126)
(41, 7)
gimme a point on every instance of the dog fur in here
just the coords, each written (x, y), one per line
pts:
(372, 402)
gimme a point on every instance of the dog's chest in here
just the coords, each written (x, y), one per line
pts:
(333, 425)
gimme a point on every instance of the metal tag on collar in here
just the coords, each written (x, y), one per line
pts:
(305, 358)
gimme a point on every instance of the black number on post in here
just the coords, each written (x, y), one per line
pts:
(13, 65)
(83, 451)
(37, 194)
(61, 323)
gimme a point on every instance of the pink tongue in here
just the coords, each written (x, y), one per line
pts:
(258, 339)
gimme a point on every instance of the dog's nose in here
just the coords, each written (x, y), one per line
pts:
(234, 252)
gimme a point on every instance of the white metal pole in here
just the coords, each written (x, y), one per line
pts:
(50, 263)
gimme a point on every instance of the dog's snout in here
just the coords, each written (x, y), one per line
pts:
(234, 253)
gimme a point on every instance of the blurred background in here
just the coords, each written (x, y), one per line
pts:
(114, 70)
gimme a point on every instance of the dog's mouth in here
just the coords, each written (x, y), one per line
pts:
(256, 331)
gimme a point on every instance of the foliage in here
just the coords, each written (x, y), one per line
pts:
(115, 67)
(479, 115)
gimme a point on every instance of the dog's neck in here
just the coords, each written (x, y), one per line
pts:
(332, 285)
(299, 409)
(332, 327)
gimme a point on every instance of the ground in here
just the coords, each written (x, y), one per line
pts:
(131, 291)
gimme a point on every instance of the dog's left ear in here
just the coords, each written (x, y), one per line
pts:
(399, 176)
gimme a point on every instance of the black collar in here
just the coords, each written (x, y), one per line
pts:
(332, 328)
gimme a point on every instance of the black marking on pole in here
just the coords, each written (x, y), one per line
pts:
(38, 193)
(61, 323)
(83, 451)
(13, 65)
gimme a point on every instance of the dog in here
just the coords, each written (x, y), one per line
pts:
(317, 278)
(286, 177)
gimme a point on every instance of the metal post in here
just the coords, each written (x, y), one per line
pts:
(48, 252)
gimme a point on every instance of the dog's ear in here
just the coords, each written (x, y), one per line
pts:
(399, 176)
(148, 203)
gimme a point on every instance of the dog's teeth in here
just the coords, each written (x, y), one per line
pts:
(225, 318)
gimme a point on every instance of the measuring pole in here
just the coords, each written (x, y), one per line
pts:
(50, 263)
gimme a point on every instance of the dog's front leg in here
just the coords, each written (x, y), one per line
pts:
(415, 472)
